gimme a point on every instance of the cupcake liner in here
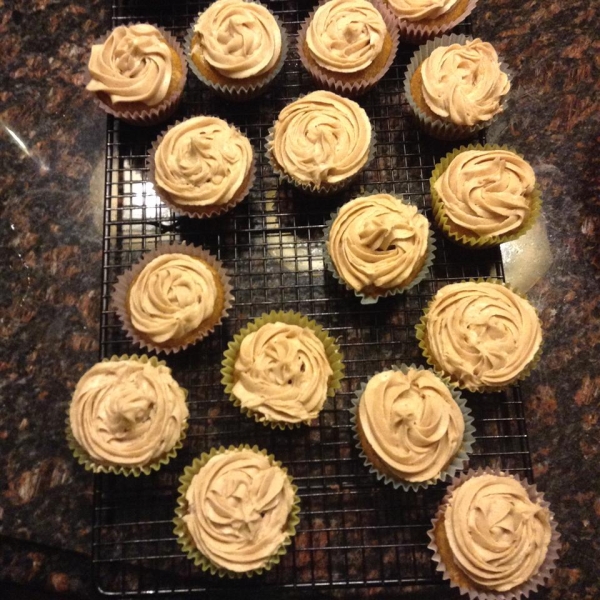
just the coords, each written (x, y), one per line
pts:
(364, 299)
(151, 115)
(439, 210)
(547, 567)
(187, 543)
(438, 128)
(202, 212)
(332, 350)
(459, 460)
(124, 281)
(238, 91)
(421, 329)
(329, 79)
(83, 458)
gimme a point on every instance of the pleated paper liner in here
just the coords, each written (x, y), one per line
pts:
(372, 299)
(185, 540)
(90, 464)
(332, 351)
(474, 241)
(526, 588)
(124, 282)
(421, 329)
(456, 463)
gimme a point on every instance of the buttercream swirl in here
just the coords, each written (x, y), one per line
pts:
(171, 297)
(482, 334)
(127, 413)
(239, 506)
(346, 36)
(464, 83)
(238, 39)
(282, 373)
(418, 10)
(134, 64)
(322, 138)
(412, 423)
(378, 241)
(487, 192)
(497, 535)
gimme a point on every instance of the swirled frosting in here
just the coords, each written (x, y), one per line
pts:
(239, 506)
(171, 297)
(497, 535)
(412, 423)
(418, 10)
(346, 36)
(482, 334)
(321, 138)
(487, 191)
(238, 39)
(464, 83)
(202, 162)
(127, 413)
(378, 241)
(134, 64)
(282, 373)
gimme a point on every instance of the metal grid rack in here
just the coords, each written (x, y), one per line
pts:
(354, 531)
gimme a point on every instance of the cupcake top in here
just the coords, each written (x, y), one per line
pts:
(239, 506)
(482, 334)
(321, 138)
(498, 536)
(134, 64)
(346, 36)
(282, 373)
(412, 422)
(202, 162)
(418, 10)
(238, 39)
(464, 83)
(127, 412)
(487, 192)
(378, 242)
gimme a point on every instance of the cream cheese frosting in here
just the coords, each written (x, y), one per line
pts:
(464, 83)
(282, 373)
(487, 192)
(127, 413)
(378, 241)
(239, 506)
(134, 64)
(412, 422)
(497, 535)
(346, 36)
(202, 161)
(238, 39)
(417, 10)
(482, 334)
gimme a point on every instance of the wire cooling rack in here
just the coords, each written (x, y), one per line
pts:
(354, 531)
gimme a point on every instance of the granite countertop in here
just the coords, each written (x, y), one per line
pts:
(51, 184)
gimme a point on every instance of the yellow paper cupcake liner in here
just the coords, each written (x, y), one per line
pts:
(332, 351)
(83, 458)
(185, 540)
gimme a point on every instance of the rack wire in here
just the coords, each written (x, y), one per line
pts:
(354, 531)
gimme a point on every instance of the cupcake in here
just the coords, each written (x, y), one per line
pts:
(484, 195)
(413, 428)
(236, 48)
(281, 368)
(378, 245)
(481, 335)
(127, 416)
(455, 86)
(202, 167)
(320, 142)
(237, 511)
(173, 297)
(137, 73)
(348, 45)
